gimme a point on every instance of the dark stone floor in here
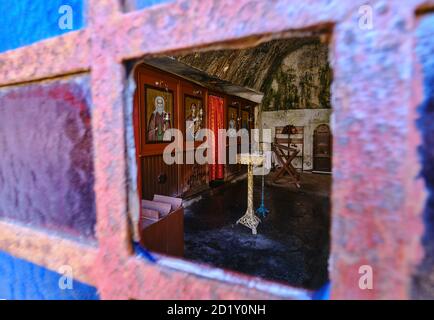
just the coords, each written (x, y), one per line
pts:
(292, 244)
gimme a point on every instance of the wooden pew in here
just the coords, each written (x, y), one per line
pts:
(162, 225)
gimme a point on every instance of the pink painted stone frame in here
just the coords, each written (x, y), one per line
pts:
(377, 199)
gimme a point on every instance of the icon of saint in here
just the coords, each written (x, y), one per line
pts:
(159, 121)
(232, 130)
(193, 123)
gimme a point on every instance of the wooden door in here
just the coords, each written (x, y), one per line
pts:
(322, 149)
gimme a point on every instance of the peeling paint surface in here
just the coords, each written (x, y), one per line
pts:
(46, 168)
(376, 188)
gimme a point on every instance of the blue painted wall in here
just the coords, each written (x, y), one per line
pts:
(22, 280)
(140, 4)
(24, 22)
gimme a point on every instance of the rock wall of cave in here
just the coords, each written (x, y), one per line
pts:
(292, 73)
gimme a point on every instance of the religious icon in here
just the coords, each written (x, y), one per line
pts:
(194, 117)
(159, 110)
(245, 119)
(232, 121)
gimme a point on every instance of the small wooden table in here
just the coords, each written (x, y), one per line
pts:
(249, 219)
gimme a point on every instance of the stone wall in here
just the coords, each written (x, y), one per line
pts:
(253, 67)
(292, 73)
(297, 92)
(310, 119)
(301, 80)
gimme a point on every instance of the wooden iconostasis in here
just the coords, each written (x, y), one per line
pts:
(162, 101)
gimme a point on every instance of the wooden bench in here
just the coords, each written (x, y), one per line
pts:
(162, 225)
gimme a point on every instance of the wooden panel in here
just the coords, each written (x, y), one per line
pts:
(194, 179)
(175, 234)
(158, 177)
(165, 235)
(153, 235)
(234, 168)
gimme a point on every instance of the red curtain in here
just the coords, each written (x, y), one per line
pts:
(215, 122)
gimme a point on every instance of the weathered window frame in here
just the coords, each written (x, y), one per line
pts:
(112, 37)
